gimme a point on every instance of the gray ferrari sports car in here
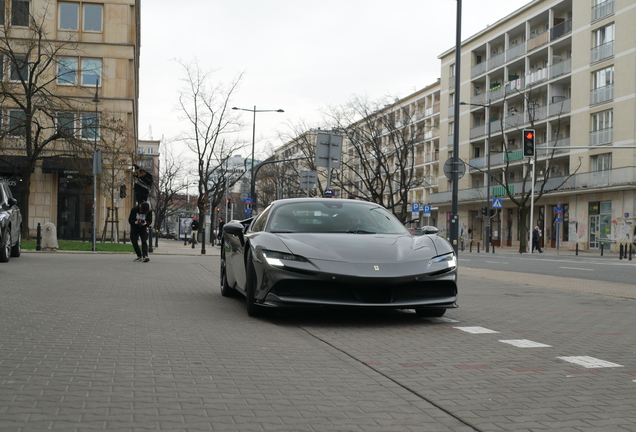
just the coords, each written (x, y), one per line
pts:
(322, 252)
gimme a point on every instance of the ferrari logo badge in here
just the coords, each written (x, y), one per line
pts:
(376, 268)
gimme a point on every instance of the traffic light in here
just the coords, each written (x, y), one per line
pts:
(484, 210)
(228, 201)
(122, 191)
(528, 142)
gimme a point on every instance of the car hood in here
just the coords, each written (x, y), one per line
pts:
(359, 247)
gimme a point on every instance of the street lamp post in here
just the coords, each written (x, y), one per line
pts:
(253, 183)
(487, 113)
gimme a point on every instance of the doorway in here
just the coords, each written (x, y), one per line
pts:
(74, 203)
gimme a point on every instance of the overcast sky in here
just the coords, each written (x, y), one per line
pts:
(297, 55)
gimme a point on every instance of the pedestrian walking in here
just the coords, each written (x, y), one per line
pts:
(140, 219)
(536, 239)
(194, 227)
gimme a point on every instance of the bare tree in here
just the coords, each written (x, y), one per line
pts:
(379, 166)
(29, 95)
(522, 199)
(168, 185)
(205, 106)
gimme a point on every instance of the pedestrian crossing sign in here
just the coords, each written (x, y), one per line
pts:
(496, 203)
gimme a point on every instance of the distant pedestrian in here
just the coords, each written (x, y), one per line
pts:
(194, 227)
(536, 239)
(219, 235)
(140, 220)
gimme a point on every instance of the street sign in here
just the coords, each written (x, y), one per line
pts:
(448, 169)
(558, 220)
(426, 210)
(248, 201)
(497, 203)
(248, 211)
(415, 207)
(328, 150)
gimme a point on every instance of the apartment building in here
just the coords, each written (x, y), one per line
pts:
(91, 94)
(564, 68)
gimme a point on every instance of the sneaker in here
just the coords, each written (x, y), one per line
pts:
(145, 259)
(138, 259)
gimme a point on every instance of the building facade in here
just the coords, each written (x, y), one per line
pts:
(563, 68)
(91, 83)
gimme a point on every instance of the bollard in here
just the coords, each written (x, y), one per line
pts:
(477, 246)
(156, 239)
(150, 250)
(602, 244)
(577, 249)
(124, 237)
(620, 252)
(83, 234)
(38, 246)
(630, 251)
(203, 241)
(493, 247)
(470, 246)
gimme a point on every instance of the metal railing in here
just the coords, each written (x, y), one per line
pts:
(602, 94)
(602, 9)
(602, 51)
(603, 136)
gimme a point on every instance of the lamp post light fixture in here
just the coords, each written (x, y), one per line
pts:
(487, 109)
(253, 183)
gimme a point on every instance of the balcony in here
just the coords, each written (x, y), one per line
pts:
(561, 29)
(496, 60)
(600, 137)
(616, 178)
(477, 131)
(538, 40)
(536, 76)
(451, 111)
(515, 120)
(478, 69)
(539, 112)
(602, 51)
(516, 51)
(560, 107)
(561, 68)
(602, 94)
(478, 99)
(602, 10)
(496, 93)
(515, 85)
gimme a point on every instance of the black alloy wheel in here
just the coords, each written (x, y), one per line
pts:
(5, 242)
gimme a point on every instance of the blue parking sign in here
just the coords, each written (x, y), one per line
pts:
(427, 209)
(415, 207)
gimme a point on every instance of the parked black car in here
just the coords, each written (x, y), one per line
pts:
(10, 224)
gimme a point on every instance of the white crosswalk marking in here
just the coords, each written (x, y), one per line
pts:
(525, 343)
(589, 362)
(476, 330)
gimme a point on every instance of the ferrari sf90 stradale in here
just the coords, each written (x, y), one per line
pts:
(324, 252)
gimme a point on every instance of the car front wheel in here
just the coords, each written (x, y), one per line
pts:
(5, 248)
(226, 289)
(253, 309)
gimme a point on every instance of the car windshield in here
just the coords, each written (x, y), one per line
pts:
(354, 217)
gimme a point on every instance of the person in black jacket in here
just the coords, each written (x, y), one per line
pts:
(143, 183)
(140, 220)
(195, 227)
(536, 240)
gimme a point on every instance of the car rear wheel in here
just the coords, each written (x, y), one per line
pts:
(226, 289)
(5, 248)
(16, 250)
(253, 309)
(430, 312)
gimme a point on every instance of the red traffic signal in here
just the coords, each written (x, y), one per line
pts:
(528, 142)
(228, 201)
(529, 134)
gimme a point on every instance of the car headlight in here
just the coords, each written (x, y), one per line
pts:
(449, 259)
(278, 259)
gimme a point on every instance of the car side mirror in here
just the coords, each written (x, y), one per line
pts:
(236, 229)
(429, 230)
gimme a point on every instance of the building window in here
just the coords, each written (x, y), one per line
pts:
(602, 85)
(17, 123)
(67, 70)
(19, 68)
(65, 122)
(20, 13)
(90, 126)
(603, 43)
(91, 71)
(69, 16)
(140, 150)
(150, 150)
(93, 17)
(2, 10)
(602, 128)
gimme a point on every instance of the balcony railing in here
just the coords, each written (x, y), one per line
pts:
(516, 51)
(561, 29)
(603, 9)
(561, 68)
(583, 181)
(602, 51)
(538, 40)
(540, 112)
(478, 69)
(603, 136)
(478, 99)
(602, 94)
(496, 93)
(496, 60)
(537, 76)
(451, 111)
(558, 108)
(515, 85)
(477, 131)
(451, 141)
(515, 120)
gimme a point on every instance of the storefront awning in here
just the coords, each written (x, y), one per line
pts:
(11, 165)
(67, 165)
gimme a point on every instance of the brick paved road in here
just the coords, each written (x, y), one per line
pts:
(96, 341)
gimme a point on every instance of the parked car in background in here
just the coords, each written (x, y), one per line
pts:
(10, 224)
